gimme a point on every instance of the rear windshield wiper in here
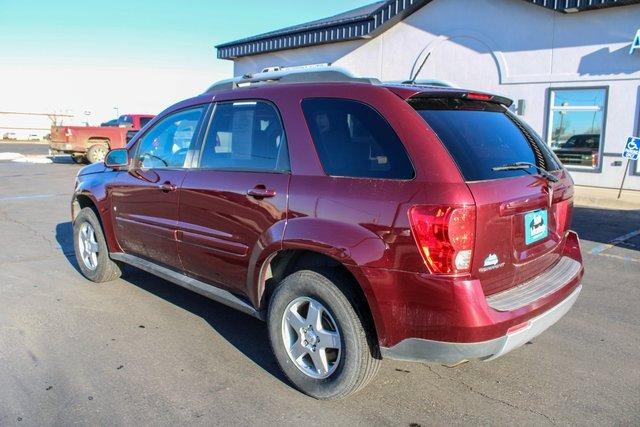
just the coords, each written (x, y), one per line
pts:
(525, 166)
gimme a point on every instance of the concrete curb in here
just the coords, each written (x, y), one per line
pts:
(606, 198)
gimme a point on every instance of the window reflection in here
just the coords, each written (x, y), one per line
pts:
(576, 123)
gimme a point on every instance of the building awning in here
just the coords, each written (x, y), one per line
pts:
(367, 22)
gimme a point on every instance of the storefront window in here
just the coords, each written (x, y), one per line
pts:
(576, 123)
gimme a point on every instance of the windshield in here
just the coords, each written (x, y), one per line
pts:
(481, 136)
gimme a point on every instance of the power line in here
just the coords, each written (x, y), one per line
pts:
(15, 128)
(19, 113)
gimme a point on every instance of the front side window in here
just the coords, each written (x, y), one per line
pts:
(354, 140)
(166, 144)
(576, 121)
(245, 136)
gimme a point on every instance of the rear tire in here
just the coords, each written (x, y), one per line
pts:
(328, 359)
(77, 158)
(97, 152)
(91, 248)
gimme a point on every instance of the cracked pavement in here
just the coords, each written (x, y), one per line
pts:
(142, 351)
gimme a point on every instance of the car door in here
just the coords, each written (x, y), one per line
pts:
(237, 192)
(145, 198)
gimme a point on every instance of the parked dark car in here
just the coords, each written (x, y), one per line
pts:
(361, 221)
(579, 150)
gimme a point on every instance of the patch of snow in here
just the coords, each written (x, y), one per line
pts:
(10, 156)
(33, 159)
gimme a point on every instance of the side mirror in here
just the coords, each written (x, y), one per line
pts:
(117, 159)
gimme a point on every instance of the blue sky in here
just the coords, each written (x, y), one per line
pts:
(53, 52)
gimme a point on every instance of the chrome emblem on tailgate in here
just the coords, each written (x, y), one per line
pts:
(491, 262)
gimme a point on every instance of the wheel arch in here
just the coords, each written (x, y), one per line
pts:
(283, 262)
(92, 140)
(85, 199)
(81, 201)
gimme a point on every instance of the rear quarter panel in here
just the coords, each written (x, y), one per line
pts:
(363, 221)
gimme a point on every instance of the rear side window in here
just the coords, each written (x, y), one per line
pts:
(354, 140)
(144, 121)
(246, 136)
(481, 135)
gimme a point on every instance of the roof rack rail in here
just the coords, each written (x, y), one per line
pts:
(303, 74)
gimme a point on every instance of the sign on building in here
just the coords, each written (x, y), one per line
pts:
(635, 44)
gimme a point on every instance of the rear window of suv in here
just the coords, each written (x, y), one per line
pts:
(483, 135)
(354, 140)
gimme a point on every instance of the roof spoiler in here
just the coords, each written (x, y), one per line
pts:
(305, 74)
(467, 95)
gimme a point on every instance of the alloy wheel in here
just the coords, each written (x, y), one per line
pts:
(311, 337)
(88, 246)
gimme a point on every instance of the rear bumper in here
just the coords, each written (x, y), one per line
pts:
(424, 317)
(450, 353)
(66, 147)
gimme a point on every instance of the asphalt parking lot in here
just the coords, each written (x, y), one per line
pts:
(143, 351)
(25, 148)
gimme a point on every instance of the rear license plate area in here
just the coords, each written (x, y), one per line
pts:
(536, 226)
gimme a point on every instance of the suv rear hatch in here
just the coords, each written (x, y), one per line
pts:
(521, 216)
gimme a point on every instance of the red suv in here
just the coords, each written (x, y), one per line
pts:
(360, 220)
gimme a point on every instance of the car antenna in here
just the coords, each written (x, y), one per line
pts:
(415, 76)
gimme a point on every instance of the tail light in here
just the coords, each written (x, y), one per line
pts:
(445, 236)
(594, 160)
(563, 216)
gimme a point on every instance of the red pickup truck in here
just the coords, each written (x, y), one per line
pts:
(91, 143)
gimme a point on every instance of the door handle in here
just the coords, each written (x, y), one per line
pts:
(260, 192)
(167, 187)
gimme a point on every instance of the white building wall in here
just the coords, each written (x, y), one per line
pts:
(508, 47)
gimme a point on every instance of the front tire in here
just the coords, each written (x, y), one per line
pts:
(91, 248)
(320, 341)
